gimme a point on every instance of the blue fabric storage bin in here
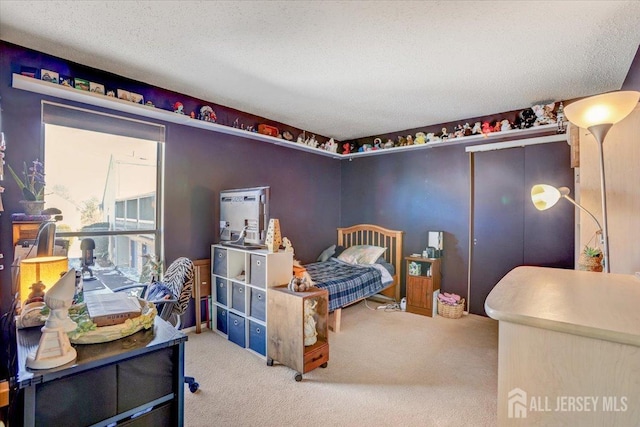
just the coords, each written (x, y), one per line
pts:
(220, 261)
(258, 304)
(257, 338)
(237, 297)
(221, 291)
(258, 271)
(221, 320)
(236, 329)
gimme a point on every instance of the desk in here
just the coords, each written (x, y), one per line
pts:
(108, 382)
(569, 347)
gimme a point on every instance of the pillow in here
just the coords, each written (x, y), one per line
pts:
(339, 250)
(327, 253)
(361, 254)
(390, 268)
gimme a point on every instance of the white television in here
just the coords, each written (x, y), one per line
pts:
(244, 209)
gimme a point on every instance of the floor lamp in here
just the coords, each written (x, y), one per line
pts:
(598, 114)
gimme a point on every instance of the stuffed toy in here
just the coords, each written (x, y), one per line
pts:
(544, 114)
(409, 140)
(346, 148)
(445, 135)
(431, 137)
(477, 128)
(505, 125)
(486, 128)
(526, 118)
(37, 293)
(467, 129)
(402, 141)
(421, 138)
(389, 143)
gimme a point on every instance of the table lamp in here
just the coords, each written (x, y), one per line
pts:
(39, 274)
(546, 196)
(54, 348)
(598, 114)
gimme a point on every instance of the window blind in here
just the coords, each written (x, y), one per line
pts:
(79, 118)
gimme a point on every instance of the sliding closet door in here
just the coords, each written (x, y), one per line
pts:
(508, 231)
(498, 220)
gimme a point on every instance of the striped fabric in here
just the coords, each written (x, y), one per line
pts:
(345, 283)
(179, 278)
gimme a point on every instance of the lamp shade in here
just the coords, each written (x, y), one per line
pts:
(608, 108)
(43, 269)
(545, 196)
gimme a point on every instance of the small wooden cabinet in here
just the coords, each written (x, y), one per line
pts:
(201, 289)
(421, 286)
(286, 324)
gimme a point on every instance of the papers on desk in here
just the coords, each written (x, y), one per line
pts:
(111, 308)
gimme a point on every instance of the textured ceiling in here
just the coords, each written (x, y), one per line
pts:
(345, 69)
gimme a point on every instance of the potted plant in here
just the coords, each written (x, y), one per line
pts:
(590, 259)
(32, 186)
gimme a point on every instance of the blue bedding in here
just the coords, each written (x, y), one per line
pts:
(345, 283)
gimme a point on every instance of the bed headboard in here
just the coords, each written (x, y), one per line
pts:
(369, 234)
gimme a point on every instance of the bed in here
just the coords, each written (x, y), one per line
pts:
(349, 283)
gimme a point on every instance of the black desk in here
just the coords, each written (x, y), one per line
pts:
(109, 382)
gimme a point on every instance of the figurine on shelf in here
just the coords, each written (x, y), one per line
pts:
(431, 137)
(560, 118)
(526, 118)
(476, 129)
(236, 123)
(505, 125)
(310, 333)
(300, 139)
(458, 131)
(178, 108)
(287, 135)
(445, 135)
(331, 145)
(288, 247)
(346, 148)
(207, 114)
(389, 143)
(486, 128)
(496, 127)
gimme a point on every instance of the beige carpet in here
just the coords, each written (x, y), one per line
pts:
(385, 369)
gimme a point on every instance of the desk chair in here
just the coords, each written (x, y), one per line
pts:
(171, 297)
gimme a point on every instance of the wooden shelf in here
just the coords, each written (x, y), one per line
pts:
(51, 89)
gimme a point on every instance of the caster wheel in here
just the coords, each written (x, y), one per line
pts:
(298, 377)
(269, 361)
(324, 365)
(193, 387)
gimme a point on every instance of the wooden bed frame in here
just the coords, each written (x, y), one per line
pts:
(369, 234)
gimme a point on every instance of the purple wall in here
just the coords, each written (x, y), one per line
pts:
(632, 82)
(305, 187)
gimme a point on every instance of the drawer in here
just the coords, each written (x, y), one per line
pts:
(220, 261)
(221, 320)
(236, 329)
(258, 305)
(221, 291)
(237, 296)
(258, 270)
(258, 338)
(316, 357)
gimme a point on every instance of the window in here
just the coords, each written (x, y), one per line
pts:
(104, 173)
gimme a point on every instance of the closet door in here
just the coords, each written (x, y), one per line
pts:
(508, 231)
(498, 220)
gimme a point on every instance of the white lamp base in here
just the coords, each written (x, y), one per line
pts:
(54, 349)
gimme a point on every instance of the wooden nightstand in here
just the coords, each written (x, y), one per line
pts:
(420, 287)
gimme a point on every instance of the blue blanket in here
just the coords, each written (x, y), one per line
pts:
(346, 283)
